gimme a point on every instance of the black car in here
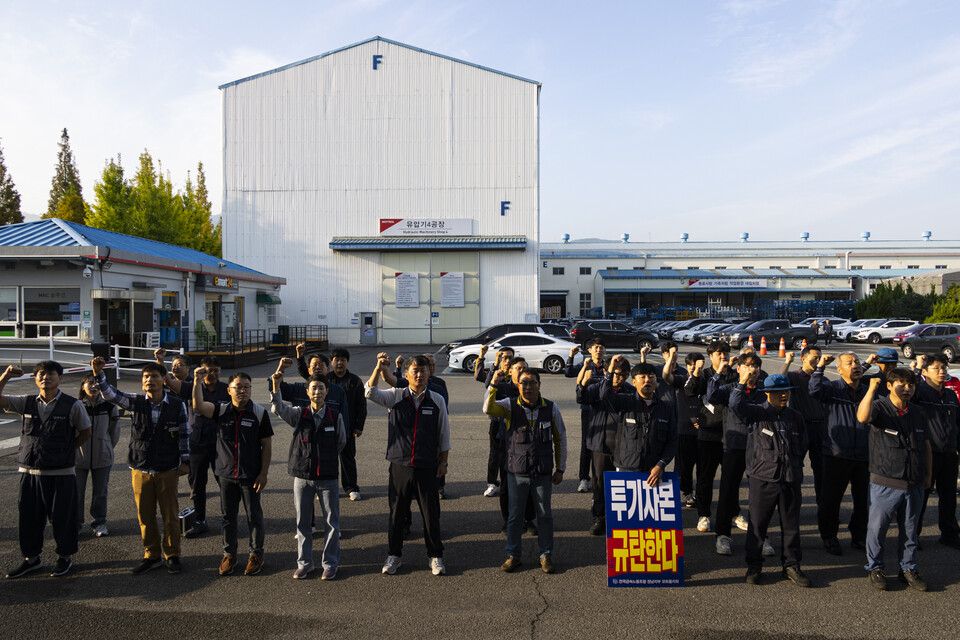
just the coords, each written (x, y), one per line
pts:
(667, 333)
(773, 330)
(500, 330)
(616, 335)
(937, 338)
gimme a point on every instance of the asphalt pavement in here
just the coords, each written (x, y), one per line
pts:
(101, 599)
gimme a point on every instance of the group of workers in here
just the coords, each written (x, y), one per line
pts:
(890, 437)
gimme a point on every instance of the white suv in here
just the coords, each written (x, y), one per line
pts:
(842, 334)
(883, 332)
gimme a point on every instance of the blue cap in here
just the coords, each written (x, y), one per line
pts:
(888, 356)
(777, 382)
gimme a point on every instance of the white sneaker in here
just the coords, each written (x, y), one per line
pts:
(355, 496)
(584, 486)
(768, 549)
(741, 523)
(491, 491)
(703, 524)
(723, 546)
(436, 566)
(391, 565)
(101, 531)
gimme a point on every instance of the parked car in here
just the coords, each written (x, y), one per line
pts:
(835, 322)
(842, 334)
(667, 332)
(689, 334)
(936, 338)
(772, 330)
(883, 332)
(908, 333)
(539, 350)
(500, 330)
(616, 335)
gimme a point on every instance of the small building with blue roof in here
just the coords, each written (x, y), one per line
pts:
(64, 279)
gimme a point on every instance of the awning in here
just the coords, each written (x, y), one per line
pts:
(267, 298)
(123, 294)
(442, 243)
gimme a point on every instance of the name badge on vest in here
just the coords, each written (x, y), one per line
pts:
(766, 432)
(544, 425)
(329, 428)
(631, 421)
(428, 411)
(891, 432)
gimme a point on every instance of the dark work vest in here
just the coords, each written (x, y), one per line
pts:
(643, 434)
(205, 429)
(313, 449)
(155, 446)
(530, 444)
(900, 454)
(413, 433)
(239, 452)
(775, 447)
(49, 444)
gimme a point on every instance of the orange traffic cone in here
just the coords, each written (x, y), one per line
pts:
(804, 344)
(763, 345)
(783, 349)
(750, 342)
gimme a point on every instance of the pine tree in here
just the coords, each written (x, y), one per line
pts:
(9, 196)
(198, 229)
(112, 205)
(65, 181)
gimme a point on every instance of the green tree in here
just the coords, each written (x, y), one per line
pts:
(157, 213)
(199, 231)
(9, 196)
(112, 204)
(65, 181)
(71, 208)
(947, 307)
(148, 206)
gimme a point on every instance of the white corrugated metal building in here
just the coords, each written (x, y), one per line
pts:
(373, 176)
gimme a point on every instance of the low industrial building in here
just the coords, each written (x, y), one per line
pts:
(617, 278)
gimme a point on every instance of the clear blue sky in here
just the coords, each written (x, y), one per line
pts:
(657, 117)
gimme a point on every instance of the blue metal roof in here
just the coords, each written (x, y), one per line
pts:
(439, 243)
(374, 39)
(759, 273)
(54, 232)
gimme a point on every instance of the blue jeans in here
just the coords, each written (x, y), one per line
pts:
(884, 505)
(540, 488)
(100, 479)
(303, 493)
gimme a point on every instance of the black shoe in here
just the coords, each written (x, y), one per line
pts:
(950, 541)
(753, 575)
(912, 578)
(61, 567)
(598, 528)
(531, 528)
(173, 565)
(146, 564)
(796, 576)
(441, 494)
(25, 567)
(198, 529)
(859, 545)
(691, 502)
(832, 545)
(878, 579)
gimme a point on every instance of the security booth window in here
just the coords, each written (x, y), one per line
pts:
(51, 311)
(8, 312)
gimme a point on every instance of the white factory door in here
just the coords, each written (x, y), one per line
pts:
(430, 297)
